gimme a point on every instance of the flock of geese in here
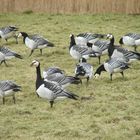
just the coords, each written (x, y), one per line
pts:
(53, 82)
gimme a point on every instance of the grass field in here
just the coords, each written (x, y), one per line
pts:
(112, 114)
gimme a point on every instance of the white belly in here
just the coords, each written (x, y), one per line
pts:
(30, 43)
(45, 93)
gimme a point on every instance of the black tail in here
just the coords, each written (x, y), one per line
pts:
(18, 56)
(50, 44)
(136, 54)
(71, 95)
(74, 80)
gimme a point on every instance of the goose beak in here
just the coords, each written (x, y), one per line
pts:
(31, 64)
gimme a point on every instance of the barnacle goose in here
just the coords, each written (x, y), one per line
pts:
(117, 51)
(52, 70)
(130, 39)
(84, 70)
(63, 80)
(113, 65)
(84, 38)
(8, 32)
(100, 47)
(78, 51)
(8, 88)
(6, 53)
(49, 90)
(35, 42)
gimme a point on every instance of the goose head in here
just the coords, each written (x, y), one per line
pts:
(22, 34)
(35, 63)
(109, 36)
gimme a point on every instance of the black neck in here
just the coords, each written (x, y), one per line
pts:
(39, 79)
(24, 36)
(100, 69)
(72, 41)
(111, 47)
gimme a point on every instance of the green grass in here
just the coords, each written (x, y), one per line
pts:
(112, 114)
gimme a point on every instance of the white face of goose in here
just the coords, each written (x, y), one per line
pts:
(96, 76)
(110, 36)
(19, 35)
(35, 63)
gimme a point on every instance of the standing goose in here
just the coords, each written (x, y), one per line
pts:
(113, 65)
(8, 32)
(115, 51)
(49, 90)
(84, 70)
(84, 38)
(6, 54)
(130, 39)
(35, 42)
(101, 47)
(8, 88)
(78, 51)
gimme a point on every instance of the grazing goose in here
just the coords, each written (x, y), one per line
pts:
(63, 80)
(6, 54)
(51, 70)
(113, 65)
(35, 42)
(78, 51)
(84, 70)
(100, 47)
(130, 39)
(49, 90)
(8, 32)
(117, 51)
(8, 88)
(84, 38)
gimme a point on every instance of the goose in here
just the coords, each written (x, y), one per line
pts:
(100, 47)
(78, 51)
(9, 32)
(51, 70)
(63, 80)
(8, 88)
(117, 51)
(49, 90)
(35, 42)
(6, 54)
(84, 70)
(84, 38)
(113, 65)
(130, 39)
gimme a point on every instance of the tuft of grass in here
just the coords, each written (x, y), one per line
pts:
(113, 112)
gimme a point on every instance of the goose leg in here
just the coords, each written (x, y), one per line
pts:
(99, 57)
(3, 61)
(135, 48)
(122, 74)
(3, 100)
(31, 52)
(6, 40)
(87, 80)
(14, 99)
(41, 51)
(16, 39)
(111, 76)
(51, 103)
